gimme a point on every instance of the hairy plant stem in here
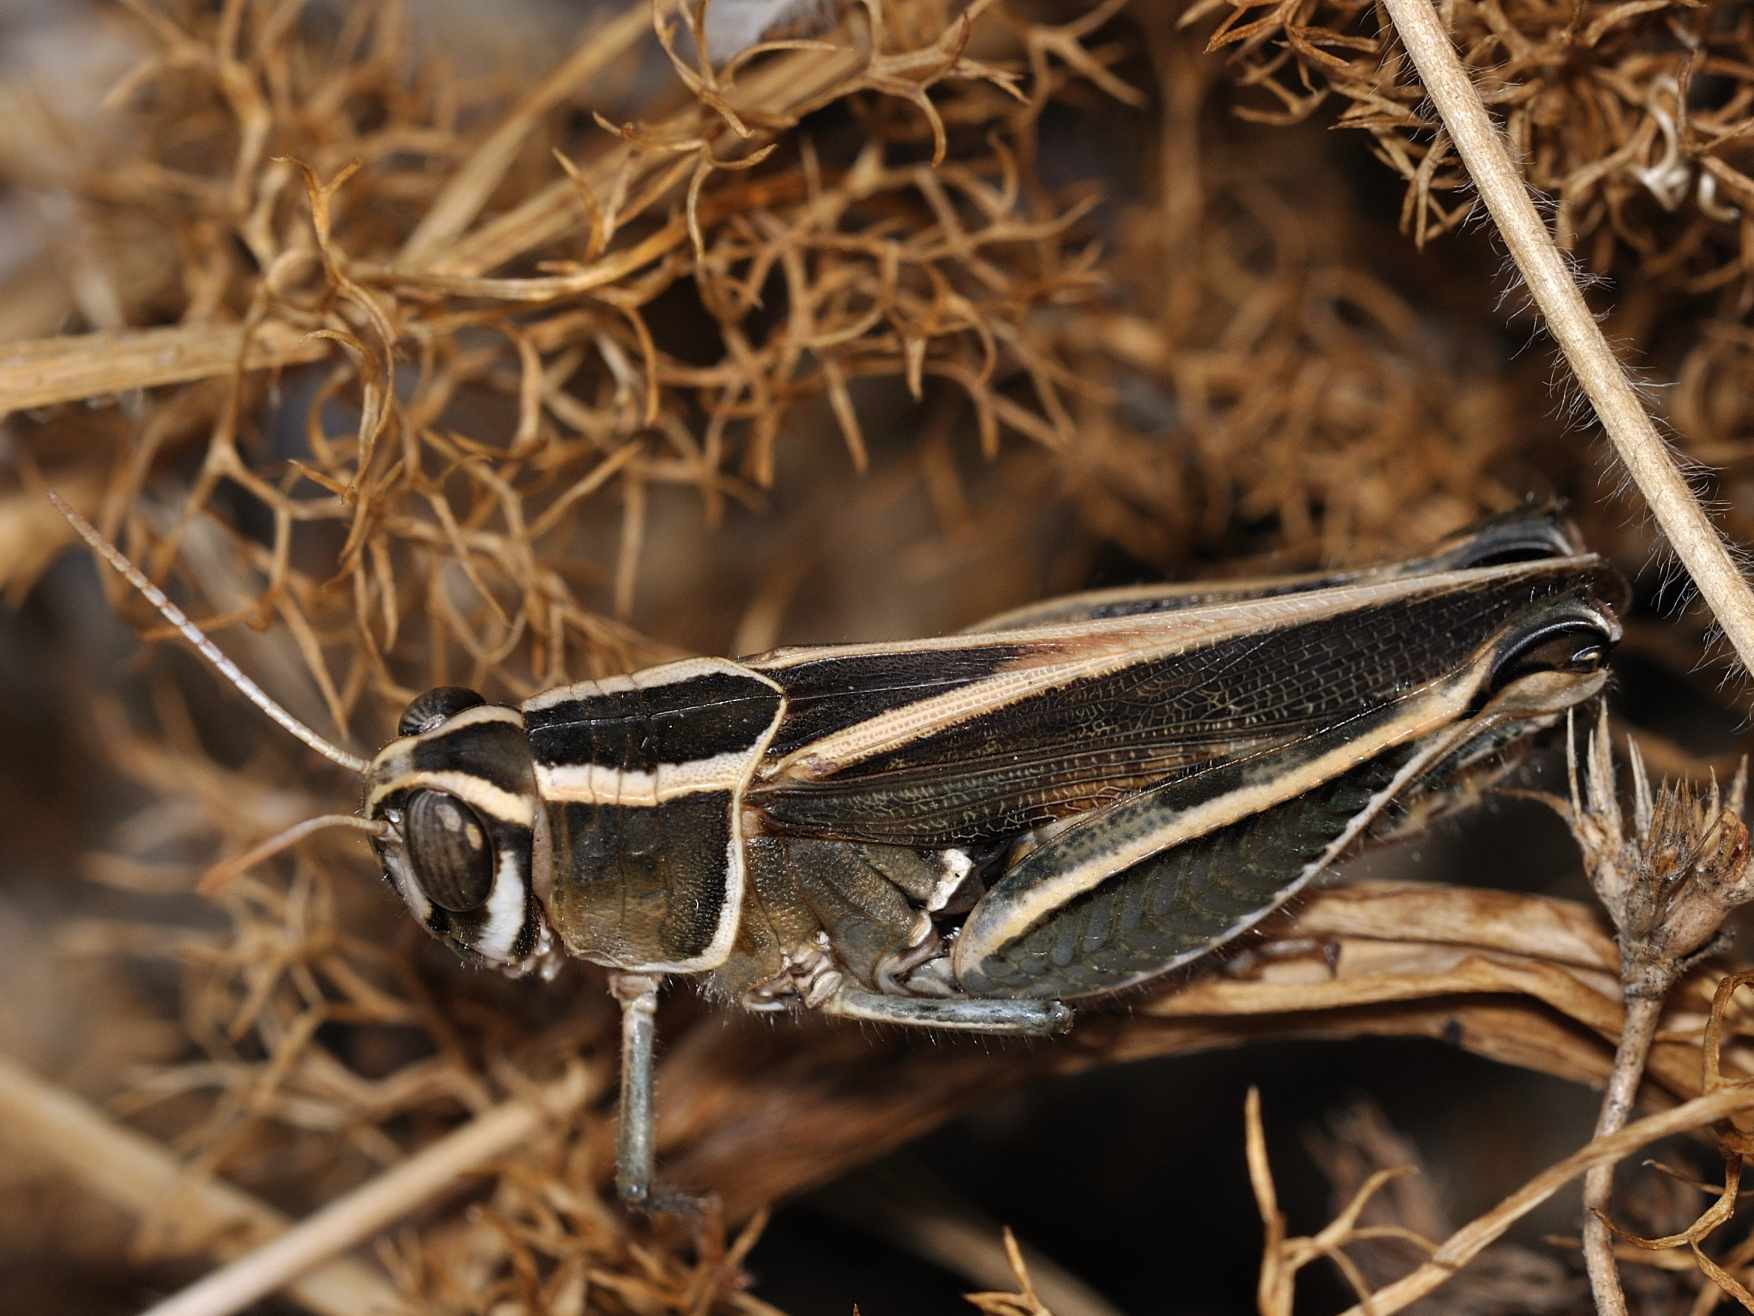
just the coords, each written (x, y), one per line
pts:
(1643, 1010)
(1641, 450)
(1550, 282)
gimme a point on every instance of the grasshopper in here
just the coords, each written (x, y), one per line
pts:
(967, 832)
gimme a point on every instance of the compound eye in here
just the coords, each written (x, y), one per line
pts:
(1578, 648)
(436, 707)
(448, 851)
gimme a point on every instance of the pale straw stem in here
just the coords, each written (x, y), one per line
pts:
(445, 1166)
(137, 1174)
(1555, 291)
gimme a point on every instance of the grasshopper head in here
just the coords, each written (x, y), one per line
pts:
(450, 804)
(456, 793)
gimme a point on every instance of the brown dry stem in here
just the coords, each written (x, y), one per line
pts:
(443, 1167)
(1643, 1014)
(1668, 878)
(1721, 1101)
(132, 1171)
(1554, 290)
(1466, 1243)
(1025, 1301)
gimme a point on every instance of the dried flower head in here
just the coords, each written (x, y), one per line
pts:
(1669, 882)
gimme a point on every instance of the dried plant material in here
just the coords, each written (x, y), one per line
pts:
(1668, 883)
(1653, 947)
(1466, 1243)
(575, 357)
(1708, 1222)
(731, 27)
(1554, 291)
(1024, 1301)
(439, 1168)
(411, 372)
(1283, 1257)
(1361, 1144)
(1734, 1146)
(1671, 878)
(925, 1217)
(122, 1165)
(1632, 117)
(1588, 140)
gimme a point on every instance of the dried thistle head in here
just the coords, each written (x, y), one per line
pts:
(1669, 879)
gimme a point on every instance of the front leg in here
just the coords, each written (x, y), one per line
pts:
(634, 1141)
(635, 1136)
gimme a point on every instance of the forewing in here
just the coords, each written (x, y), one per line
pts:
(981, 737)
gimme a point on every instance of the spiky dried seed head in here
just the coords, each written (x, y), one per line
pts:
(1670, 875)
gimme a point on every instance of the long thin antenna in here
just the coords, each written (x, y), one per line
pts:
(204, 646)
(215, 878)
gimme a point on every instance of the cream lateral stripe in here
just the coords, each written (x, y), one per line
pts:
(731, 913)
(483, 713)
(1102, 648)
(480, 795)
(468, 718)
(686, 669)
(1190, 626)
(1124, 594)
(1430, 712)
(595, 783)
(562, 694)
(910, 722)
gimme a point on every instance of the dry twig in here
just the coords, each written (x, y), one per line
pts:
(1668, 883)
(118, 1164)
(1555, 292)
(443, 1167)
